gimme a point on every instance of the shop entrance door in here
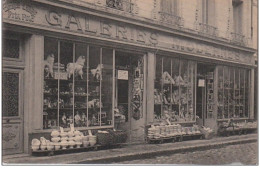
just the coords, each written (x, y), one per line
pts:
(12, 111)
(129, 94)
(205, 95)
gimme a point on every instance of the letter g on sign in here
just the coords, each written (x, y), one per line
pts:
(53, 18)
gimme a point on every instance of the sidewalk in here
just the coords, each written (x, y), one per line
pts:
(130, 152)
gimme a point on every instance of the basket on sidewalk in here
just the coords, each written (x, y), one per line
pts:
(119, 136)
(206, 134)
(112, 137)
(104, 138)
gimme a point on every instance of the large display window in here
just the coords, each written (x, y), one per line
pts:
(233, 92)
(78, 85)
(174, 94)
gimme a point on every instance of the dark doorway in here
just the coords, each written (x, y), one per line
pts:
(205, 92)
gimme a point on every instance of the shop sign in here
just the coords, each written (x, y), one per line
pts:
(19, 10)
(201, 83)
(122, 74)
(129, 33)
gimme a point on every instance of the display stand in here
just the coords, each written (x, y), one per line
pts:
(73, 150)
(235, 131)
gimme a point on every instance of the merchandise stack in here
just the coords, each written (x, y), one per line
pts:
(161, 132)
(61, 140)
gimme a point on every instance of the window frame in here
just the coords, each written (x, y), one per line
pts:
(88, 45)
(246, 79)
(179, 87)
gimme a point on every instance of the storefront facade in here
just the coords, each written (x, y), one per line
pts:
(70, 65)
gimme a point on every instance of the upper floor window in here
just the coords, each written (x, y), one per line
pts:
(169, 6)
(206, 23)
(237, 36)
(237, 16)
(169, 12)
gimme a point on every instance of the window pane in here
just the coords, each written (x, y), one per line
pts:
(220, 92)
(231, 97)
(107, 87)
(50, 93)
(236, 93)
(175, 89)
(80, 87)
(157, 89)
(226, 91)
(94, 86)
(167, 87)
(242, 93)
(10, 48)
(10, 93)
(66, 87)
(183, 83)
(247, 92)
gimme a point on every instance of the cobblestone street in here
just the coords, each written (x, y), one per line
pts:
(242, 154)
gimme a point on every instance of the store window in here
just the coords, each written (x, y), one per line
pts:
(174, 90)
(233, 90)
(77, 85)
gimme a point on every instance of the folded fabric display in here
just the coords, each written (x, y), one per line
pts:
(167, 79)
(178, 80)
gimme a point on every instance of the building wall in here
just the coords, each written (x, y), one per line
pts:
(220, 14)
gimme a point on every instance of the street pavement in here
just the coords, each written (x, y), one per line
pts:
(185, 152)
(239, 154)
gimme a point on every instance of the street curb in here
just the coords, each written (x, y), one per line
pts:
(149, 154)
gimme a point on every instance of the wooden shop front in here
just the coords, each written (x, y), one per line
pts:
(142, 71)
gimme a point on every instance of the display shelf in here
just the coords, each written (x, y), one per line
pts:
(175, 138)
(73, 150)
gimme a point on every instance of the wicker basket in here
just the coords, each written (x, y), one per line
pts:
(119, 137)
(104, 138)
(112, 137)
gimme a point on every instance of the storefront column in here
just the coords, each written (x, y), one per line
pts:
(34, 52)
(150, 86)
(252, 94)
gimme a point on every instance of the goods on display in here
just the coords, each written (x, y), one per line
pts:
(77, 85)
(161, 132)
(233, 93)
(64, 140)
(174, 90)
(231, 127)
